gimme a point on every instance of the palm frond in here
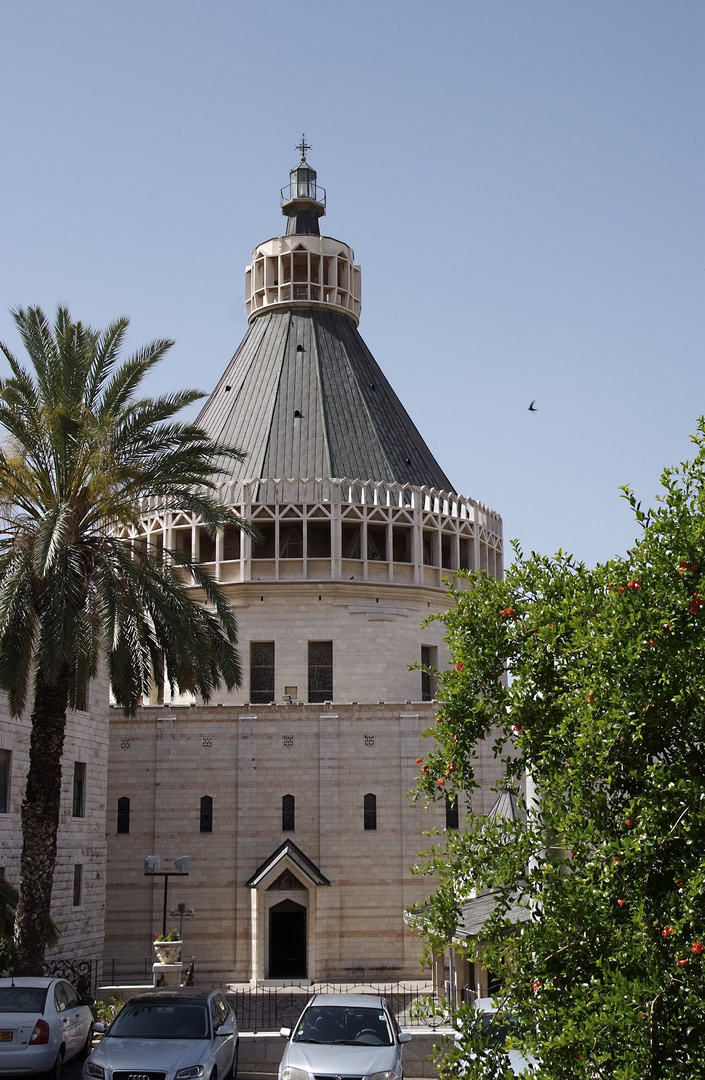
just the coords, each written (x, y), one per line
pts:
(84, 454)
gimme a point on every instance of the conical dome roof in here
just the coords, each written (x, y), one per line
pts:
(303, 395)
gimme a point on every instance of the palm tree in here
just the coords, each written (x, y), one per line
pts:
(82, 454)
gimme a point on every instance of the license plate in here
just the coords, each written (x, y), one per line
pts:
(5, 1036)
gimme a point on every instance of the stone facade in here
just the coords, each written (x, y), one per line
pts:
(328, 757)
(78, 897)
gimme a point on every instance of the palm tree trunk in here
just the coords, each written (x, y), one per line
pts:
(40, 822)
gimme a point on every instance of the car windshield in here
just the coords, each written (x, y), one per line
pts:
(22, 999)
(349, 1025)
(176, 1020)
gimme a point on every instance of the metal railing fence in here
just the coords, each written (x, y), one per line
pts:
(264, 1007)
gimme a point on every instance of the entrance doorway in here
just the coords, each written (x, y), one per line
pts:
(287, 941)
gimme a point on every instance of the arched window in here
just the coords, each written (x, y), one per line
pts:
(123, 815)
(370, 811)
(206, 813)
(288, 813)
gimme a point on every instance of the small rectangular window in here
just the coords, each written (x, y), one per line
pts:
(77, 884)
(231, 543)
(79, 789)
(370, 812)
(82, 699)
(377, 543)
(182, 540)
(318, 541)
(291, 541)
(430, 541)
(451, 812)
(5, 756)
(320, 671)
(261, 672)
(264, 547)
(429, 661)
(350, 535)
(206, 546)
(401, 544)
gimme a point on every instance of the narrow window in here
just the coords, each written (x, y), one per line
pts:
(318, 541)
(123, 815)
(79, 789)
(429, 660)
(206, 813)
(4, 781)
(351, 541)
(82, 699)
(206, 546)
(264, 547)
(231, 543)
(77, 884)
(288, 812)
(261, 672)
(370, 812)
(451, 812)
(377, 542)
(320, 671)
(291, 542)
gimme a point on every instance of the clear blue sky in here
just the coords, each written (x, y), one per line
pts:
(521, 180)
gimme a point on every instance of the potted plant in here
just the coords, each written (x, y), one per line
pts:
(168, 947)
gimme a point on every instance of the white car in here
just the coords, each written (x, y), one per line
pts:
(179, 1033)
(343, 1035)
(43, 1023)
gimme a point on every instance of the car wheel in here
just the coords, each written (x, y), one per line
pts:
(87, 1046)
(56, 1072)
(233, 1069)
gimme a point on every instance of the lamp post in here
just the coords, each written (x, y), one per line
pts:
(151, 869)
(183, 912)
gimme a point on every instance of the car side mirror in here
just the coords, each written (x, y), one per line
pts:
(285, 1033)
(100, 1027)
(86, 999)
(404, 1036)
(226, 1028)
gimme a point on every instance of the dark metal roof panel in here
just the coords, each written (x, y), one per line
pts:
(389, 441)
(297, 443)
(308, 399)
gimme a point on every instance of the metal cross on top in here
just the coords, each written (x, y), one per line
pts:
(303, 146)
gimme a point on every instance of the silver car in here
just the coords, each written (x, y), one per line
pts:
(169, 1034)
(43, 1022)
(344, 1035)
(498, 1027)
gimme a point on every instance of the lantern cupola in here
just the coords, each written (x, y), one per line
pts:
(303, 269)
(303, 201)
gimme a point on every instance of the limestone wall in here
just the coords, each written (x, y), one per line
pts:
(328, 758)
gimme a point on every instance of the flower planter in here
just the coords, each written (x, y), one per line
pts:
(168, 952)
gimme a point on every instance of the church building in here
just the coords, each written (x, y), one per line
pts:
(288, 795)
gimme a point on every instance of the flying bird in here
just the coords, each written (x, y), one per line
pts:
(532, 406)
